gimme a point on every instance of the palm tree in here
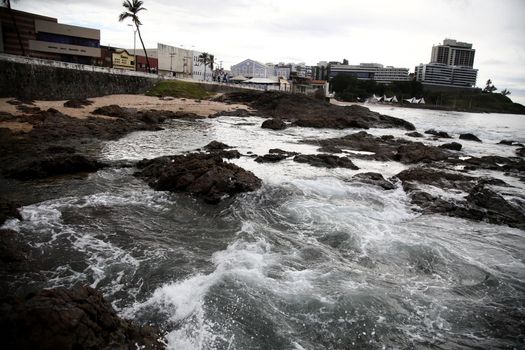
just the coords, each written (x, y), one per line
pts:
(132, 8)
(7, 3)
(206, 59)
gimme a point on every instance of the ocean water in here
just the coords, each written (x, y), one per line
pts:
(312, 260)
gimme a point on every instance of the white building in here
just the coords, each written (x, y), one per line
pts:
(453, 53)
(200, 72)
(173, 61)
(445, 75)
(371, 71)
(252, 69)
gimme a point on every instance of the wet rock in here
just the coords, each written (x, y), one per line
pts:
(270, 158)
(440, 134)
(455, 146)
(206, 176)
(8, 209)
(520, 152)
(27, 109)
(509, 164)
(496, 209)
(230, 154)
(55, 165)
(510, 143)
(325, 161)
(470, 137)
(374, 179)
(77, 103)
(243, 113)
(437, 178)
(280, 151)
(414, 134)
(330, 149)
(216, 145)
(55, 149)
(274, 124)
(417, 152)
(307, 111)
(14, 253)
(114, 111)
(77, 318)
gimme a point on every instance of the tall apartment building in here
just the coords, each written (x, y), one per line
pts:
(371, 71)
(451, 65)
(453, 53)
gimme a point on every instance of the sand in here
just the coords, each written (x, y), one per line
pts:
(141, 102)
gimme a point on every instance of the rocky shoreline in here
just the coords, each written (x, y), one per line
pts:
(44, 144)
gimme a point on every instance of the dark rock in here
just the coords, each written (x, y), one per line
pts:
(8, 210)
(470, 137)
(27, 109)
(52, 166)
(243, 113)
(520, 151)
(455, 146)
(374, 179)
(14, 253)
(60, 149)
(417, 152)
(307, 111)
(325, 161)
(231, 154)
(203, 175)
(115, 111)
(496, 208)
(270, 158)
(440, 134)
(330, 149)
(509, 164)
(77, 318)
(511, 143)
(77, 103)
(216, 145)
(437, 178)
(414, 134)
(280, 151)
(19, 101)
(274, 124)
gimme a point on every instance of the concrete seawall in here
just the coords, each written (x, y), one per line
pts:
(49, 80)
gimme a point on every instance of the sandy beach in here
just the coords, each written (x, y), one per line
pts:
(140, 102)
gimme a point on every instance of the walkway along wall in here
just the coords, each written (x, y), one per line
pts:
(32, 78)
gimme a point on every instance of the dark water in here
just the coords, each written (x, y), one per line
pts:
(310, 261)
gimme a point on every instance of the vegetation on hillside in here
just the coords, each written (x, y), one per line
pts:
(179, 89)
(348, 88)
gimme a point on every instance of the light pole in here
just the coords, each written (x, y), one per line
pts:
(134, 43)
(171, 61)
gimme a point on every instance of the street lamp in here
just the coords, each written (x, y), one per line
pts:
(171, 61)
(134, 43)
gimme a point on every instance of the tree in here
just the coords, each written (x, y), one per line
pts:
(206, 59)
(505, 92)
(7, 4)
(132, 8)
(489, 88)
(345, 62)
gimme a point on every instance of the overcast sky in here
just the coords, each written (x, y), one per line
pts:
(398, 33)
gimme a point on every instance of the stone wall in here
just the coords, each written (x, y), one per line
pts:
(47, 80)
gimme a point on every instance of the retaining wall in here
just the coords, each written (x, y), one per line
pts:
(50, 80)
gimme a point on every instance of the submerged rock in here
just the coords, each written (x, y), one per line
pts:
(470, 137)
(206, 176)
(8, 210)
(325, 161)
(414, 134)
(270, 158)
(77, 318)
(216, 145)
(418, 152)
(330, 149)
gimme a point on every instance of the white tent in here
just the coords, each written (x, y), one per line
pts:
(422, 101)
(394, 99)
(239, 78)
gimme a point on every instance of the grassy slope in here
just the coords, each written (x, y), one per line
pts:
(179, 89)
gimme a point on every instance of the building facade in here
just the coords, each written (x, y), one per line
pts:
(200, 72)
(252, 69)
(122, 59)
(453, 53)
(44, 37)
(371, 71)
(451, 65)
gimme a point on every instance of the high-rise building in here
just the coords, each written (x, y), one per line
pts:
(451, 65)
(453, 53)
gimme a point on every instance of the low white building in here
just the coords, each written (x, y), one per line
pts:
(252, 69)
(371, 71)
(445, 75)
